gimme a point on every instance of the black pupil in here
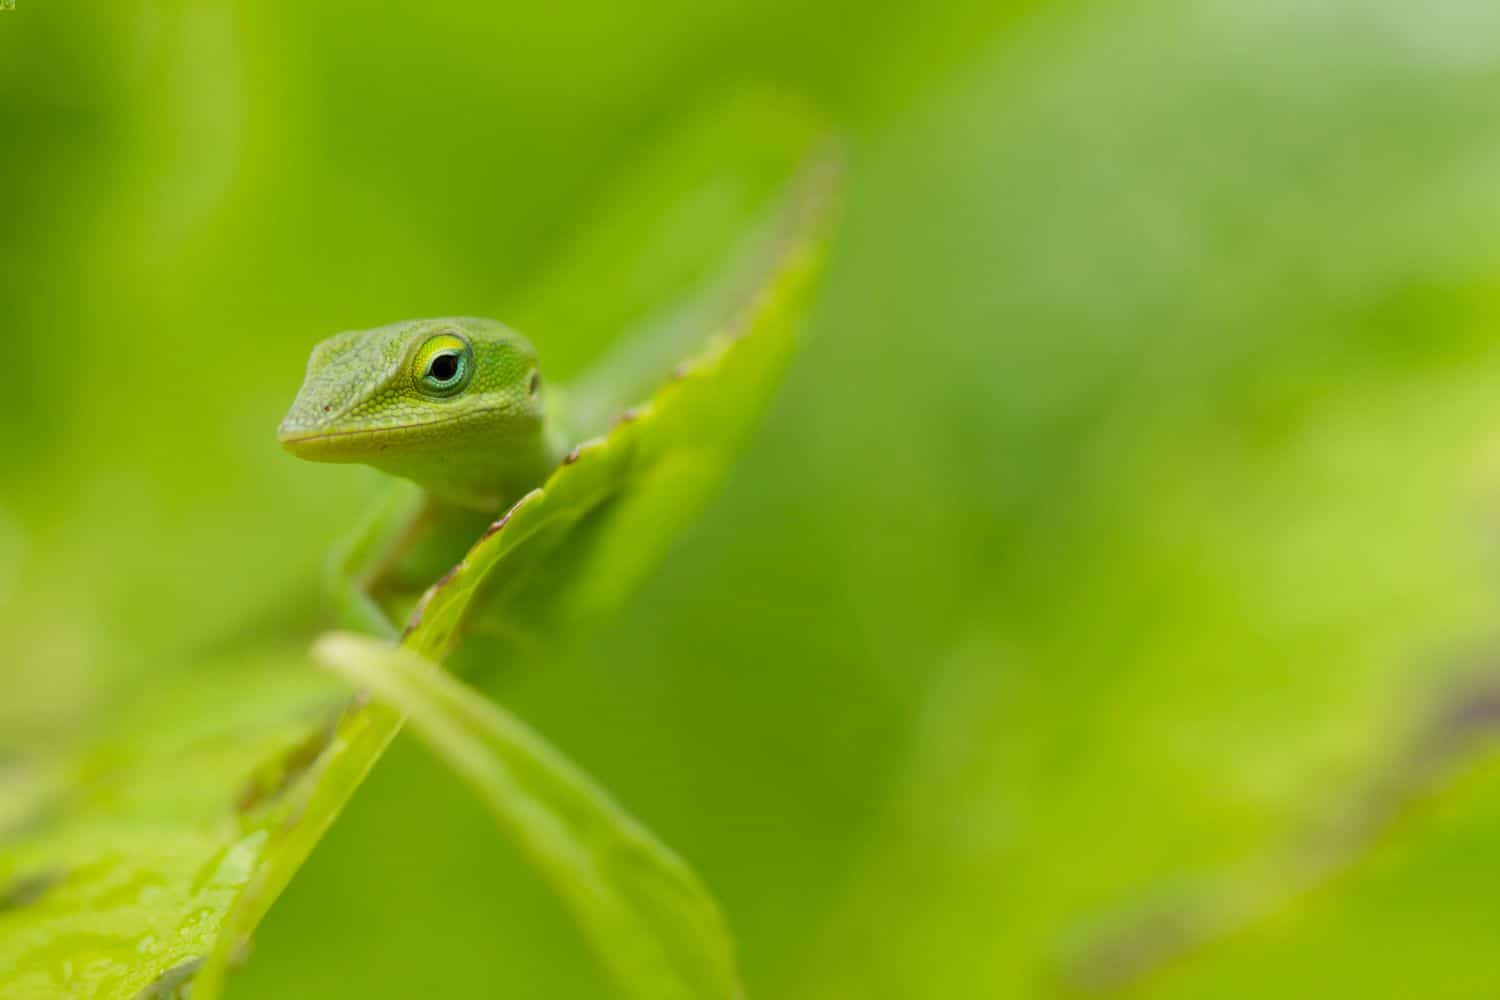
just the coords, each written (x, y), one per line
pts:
(444, 367)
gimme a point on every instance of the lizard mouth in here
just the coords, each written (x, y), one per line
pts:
(362, 443)
(334, 446)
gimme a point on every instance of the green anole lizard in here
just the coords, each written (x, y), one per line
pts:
(455, 406)
(460, 408)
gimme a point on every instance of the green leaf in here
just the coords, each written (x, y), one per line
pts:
(118, 861)
(642, 909)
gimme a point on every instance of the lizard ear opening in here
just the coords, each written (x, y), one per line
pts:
(535, 385)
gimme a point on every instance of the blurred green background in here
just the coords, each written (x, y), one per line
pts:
(1107, 603)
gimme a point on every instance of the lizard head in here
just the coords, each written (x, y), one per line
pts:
(454, 404)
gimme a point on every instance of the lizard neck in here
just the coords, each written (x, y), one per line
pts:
(485, 471)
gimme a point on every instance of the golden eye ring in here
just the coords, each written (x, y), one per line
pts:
(444, 366)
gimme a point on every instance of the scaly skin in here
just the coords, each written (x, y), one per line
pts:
(454, 405)
(458, 407)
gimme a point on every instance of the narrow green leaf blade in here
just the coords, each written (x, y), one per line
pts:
(647, 916)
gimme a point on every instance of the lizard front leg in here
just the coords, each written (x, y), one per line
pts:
(362, 561)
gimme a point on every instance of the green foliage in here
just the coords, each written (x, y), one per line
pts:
(128, 853)
(131, 909)
(643, 910)
(1080, 617)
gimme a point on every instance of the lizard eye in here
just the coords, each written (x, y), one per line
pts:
(444, 365)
